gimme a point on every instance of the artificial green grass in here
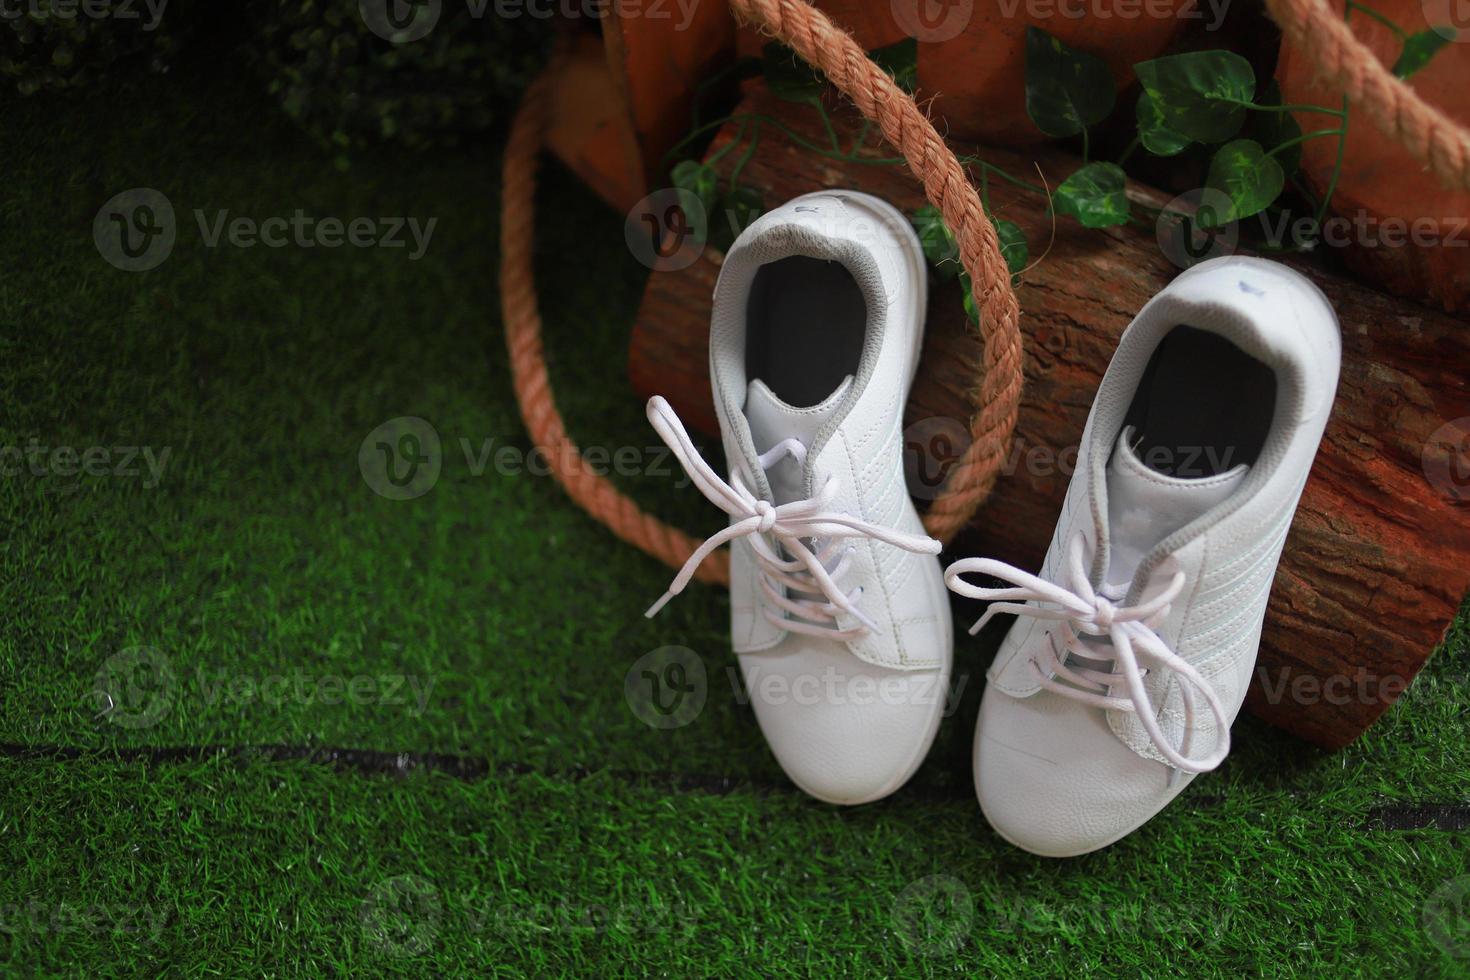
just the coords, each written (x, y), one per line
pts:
(286, 868)
(262, 552)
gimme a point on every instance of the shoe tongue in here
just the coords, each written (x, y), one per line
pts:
(1145, 506)
(773, 420)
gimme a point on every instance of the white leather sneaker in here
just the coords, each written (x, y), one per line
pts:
(837, 603)
(1133, 648)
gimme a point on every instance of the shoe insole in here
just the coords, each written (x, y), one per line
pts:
(805, 325)
(1204, 406)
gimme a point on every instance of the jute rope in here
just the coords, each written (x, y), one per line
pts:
(1310, 24)
(593, 492)
(1395, 108)
(808, 31)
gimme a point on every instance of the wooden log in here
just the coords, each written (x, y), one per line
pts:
(1378, 559)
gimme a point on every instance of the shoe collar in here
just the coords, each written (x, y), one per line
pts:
(784, 237)
(1263, 327)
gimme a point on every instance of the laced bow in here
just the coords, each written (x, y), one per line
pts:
(796, 526)
(1130, 630)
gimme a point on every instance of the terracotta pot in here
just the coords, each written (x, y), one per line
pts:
(1396, 225)
(976, 68)
(870, 22)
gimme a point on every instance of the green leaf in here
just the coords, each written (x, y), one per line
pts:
(942, 251)
(1419, 48)
(1066, 90)
(971, 309)
(1155, 134)
(790, 78)
(1201, 94)
(1094, 196)
(1012, 244)
(940, 248)
(1271, 129)
(737, 210)
(745, 204)
(698, 186)
(901, 60)
(697, 179)
(1245, 174)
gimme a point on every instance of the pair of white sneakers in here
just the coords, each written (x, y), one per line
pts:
(1132, 648)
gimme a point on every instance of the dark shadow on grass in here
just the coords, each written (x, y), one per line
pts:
(1389, 816)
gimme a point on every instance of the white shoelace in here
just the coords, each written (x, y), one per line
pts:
(1131, 632)
(807, 572)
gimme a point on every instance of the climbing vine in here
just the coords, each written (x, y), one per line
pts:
(1202, 102)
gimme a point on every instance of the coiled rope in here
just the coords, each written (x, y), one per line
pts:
(1393, 106)
(998, 395)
